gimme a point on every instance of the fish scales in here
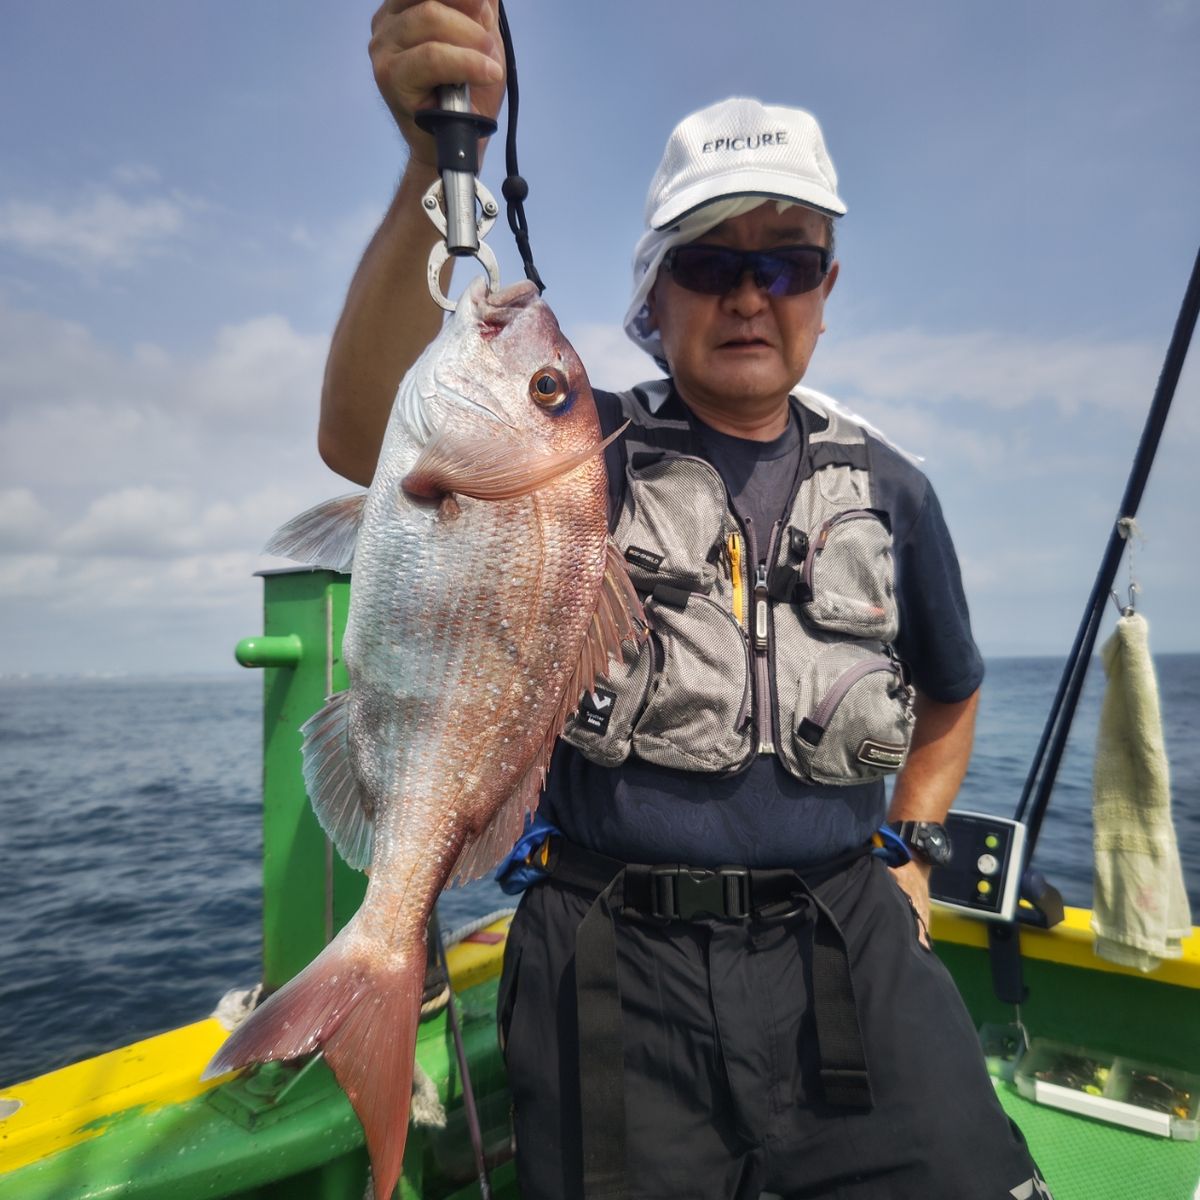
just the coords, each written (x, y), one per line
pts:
(486, 596)
(480, 684)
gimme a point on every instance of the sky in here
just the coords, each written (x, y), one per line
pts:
(185, 191)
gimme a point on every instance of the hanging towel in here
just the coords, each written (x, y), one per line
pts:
(1140, 906)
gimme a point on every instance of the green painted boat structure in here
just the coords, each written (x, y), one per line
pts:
(136, 1122)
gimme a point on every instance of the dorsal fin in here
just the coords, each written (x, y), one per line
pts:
(618, 619)
(323, 536)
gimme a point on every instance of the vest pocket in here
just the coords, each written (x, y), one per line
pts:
(697, 717)
(674, 532)
(857, 722)
(602, 726)
(848, 577)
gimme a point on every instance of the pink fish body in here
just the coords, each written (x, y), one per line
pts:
(486, 597)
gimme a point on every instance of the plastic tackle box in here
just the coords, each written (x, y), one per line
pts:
(1122, 1091)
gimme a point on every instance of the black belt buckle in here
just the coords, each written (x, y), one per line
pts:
(685, 893)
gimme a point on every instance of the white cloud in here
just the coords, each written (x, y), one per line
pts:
(172, 587)
(909, 374)
(75, 413)
(212, 580)
(146, 481)
(24, 522)
(101, 229)
(345, 242)
(339, 245)
(258, 373)
(48, 361)
(613, 362)
(27, 575)
(1000, 371)
(136, 174)
(1005, 406)
(134, 520)
(152, 522)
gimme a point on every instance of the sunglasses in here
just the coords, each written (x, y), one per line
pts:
(715, 270)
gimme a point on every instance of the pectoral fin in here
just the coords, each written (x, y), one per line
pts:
(618, 623)
(497, 468)
(619, 620)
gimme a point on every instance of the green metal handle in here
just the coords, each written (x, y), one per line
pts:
(282, 651)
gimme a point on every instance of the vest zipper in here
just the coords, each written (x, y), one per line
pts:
(760, 640)
(736, 550)
(734, 547)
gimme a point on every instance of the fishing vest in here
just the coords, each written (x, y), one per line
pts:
(761, 642)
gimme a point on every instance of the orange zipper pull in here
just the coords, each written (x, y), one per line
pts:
(734, 546)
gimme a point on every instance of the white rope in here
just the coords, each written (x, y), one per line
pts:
(426, 1110)
(457, 935)
(235, 1006)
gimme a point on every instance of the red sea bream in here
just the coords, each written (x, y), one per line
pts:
(486, 597)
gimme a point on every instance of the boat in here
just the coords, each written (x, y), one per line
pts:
(1107, 1093)
(138, 1122)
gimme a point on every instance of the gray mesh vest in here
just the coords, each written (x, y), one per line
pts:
(781, 648)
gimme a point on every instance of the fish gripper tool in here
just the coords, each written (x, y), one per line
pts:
(451, 201)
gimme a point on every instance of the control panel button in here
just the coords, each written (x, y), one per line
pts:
(988, 864)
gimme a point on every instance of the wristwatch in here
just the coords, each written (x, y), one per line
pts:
(927, 840)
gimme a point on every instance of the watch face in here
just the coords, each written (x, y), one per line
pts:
(934, 842)
(927, 840)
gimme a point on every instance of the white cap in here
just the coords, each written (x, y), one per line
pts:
(719, 163)
(741, 147)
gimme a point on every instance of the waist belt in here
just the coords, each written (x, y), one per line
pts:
(682, 893)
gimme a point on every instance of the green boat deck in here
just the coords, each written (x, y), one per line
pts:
(1089, 1160)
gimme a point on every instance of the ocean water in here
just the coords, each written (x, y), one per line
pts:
(130, 843)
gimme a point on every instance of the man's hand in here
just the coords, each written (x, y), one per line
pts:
(420, 45)
(913, 879)
(389, 316)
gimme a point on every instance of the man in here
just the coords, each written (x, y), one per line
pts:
(779, 1025)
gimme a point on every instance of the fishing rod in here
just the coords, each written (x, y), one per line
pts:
(1035, 796)
(470, 1109)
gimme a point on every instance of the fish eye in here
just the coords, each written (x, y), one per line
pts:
(548, 387)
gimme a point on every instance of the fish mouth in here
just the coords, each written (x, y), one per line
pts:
(491, 312)
(495, 310)
(516, 296)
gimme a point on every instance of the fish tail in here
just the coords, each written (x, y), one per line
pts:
(371, 1054)
(364, 1018)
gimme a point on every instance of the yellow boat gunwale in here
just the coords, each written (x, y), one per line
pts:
(77, 1103)
(1071, 943)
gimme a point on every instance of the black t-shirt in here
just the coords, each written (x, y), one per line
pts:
(763, 816)
(759, 476)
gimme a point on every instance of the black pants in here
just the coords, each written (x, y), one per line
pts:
(722, 1099)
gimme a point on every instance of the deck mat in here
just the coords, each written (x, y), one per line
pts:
(1084, 1159)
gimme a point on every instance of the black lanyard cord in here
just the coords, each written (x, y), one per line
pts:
(515, 190)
